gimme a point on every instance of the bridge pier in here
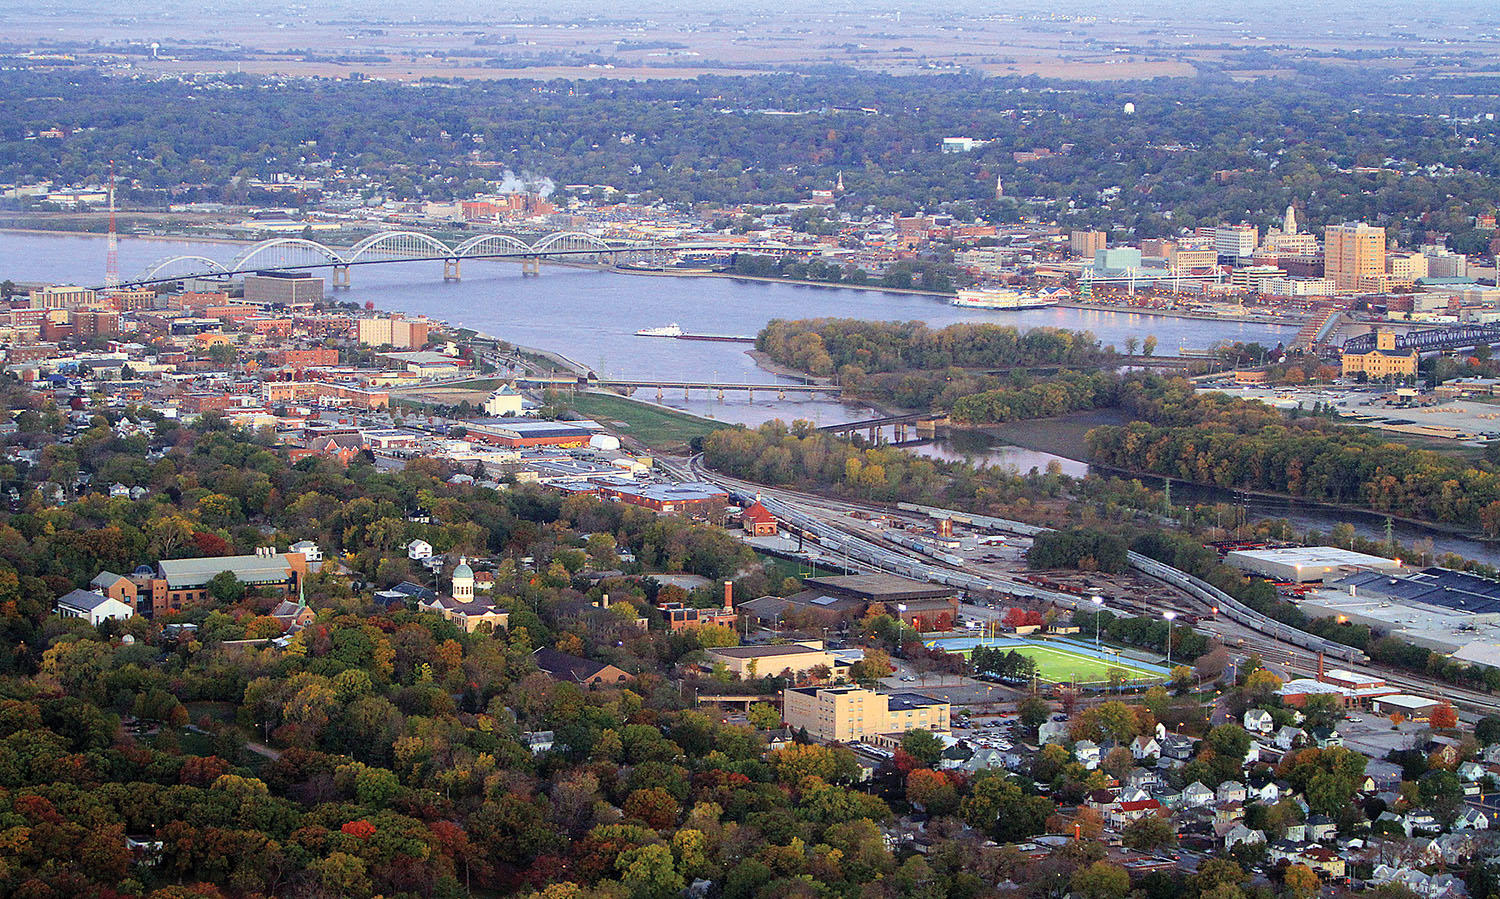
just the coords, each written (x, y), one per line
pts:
(340, 277)
(658, 394)
(781, 394)
(900, 433)
(451, 270)
(721, 394)
(874, 436)
(531, 266)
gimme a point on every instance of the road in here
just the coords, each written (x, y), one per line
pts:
(863, 541)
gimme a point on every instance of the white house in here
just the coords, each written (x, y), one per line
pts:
(417, 550)
(1242, 834)
(1087, 753)
(92, 607)
(1196, 793)
(310, 551)
(1258, 721)
(1144, 748)
(1288, 737)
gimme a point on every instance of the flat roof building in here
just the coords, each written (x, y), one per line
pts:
(848, 714)
(1302, 564)
(772, 660)
(283, 289)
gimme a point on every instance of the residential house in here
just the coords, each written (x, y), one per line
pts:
(538, 741)
(1239, 833)
(1227, 813)
(1087, 753)
(1471, 818)
(417, 550)
(1177, 747)
(1421, 821)
(1196, 793)
(1472, 772)
(1258, 721)
(1289, 737)
(1143, 748)
(1123, 813)
(1230, 791)
(1322, 860)
(1324, 737)
(1052, 732)
(1296, 832)
(1262, 788)
(1321, 828)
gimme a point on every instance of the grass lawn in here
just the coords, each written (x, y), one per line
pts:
(654, 426)
(1059, 666)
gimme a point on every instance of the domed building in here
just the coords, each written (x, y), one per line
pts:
(463, 581)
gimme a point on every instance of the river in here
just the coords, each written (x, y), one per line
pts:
(592, 316)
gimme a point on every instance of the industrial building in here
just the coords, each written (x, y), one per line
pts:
(1304, 564)
(520, 432)
(1447, 611)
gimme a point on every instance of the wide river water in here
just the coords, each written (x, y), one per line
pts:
(592, 316)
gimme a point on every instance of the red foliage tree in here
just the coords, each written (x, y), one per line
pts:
(360, 829)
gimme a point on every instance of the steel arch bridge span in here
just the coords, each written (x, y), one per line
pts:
(573, 241)
(277, 250)
(491, 245)
(401, 245)
(203, 267)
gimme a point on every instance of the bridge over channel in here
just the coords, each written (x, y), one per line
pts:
(923, 424)
(1432, 340)
(288, 254)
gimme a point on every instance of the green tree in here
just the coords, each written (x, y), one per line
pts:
(226, 588)
(923, 745)
(1101, 880)
(763, 716)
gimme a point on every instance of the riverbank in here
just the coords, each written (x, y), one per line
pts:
(701, 273)
(1278, 319)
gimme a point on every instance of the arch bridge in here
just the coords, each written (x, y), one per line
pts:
(302, 254)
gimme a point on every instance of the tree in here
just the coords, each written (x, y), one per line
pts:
(1301, 882)
(1487, 729)
(649, 872)
(226, 588)
(923, 745)
(1148, 346)
(1118, 762)
(763, 716)
(1149, 833)
(1101, 880)
(1033, 711)
(1444, 717)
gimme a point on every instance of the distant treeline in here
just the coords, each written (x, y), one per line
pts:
(1213, 439)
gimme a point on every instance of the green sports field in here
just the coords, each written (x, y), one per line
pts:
(1059, 666)
(1056, 663)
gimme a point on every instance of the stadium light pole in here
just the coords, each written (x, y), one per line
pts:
(1169, 616)
(1098, 610)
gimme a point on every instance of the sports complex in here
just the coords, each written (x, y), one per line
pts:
(1061, 661)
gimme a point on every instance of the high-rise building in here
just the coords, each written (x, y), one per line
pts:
(1351, 252)
(393, 330)
(283, 289)
(1235, 242)
(1086, 243)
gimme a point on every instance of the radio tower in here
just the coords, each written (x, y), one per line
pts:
(112, 260)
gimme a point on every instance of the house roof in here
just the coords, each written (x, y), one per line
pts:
(564, 666)
(83, 600)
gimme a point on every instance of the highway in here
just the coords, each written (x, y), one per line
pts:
(828, 520)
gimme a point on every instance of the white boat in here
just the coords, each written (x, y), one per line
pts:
(672, 330)
(1001, 298)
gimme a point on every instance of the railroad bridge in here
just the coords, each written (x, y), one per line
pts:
(1432, 340)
